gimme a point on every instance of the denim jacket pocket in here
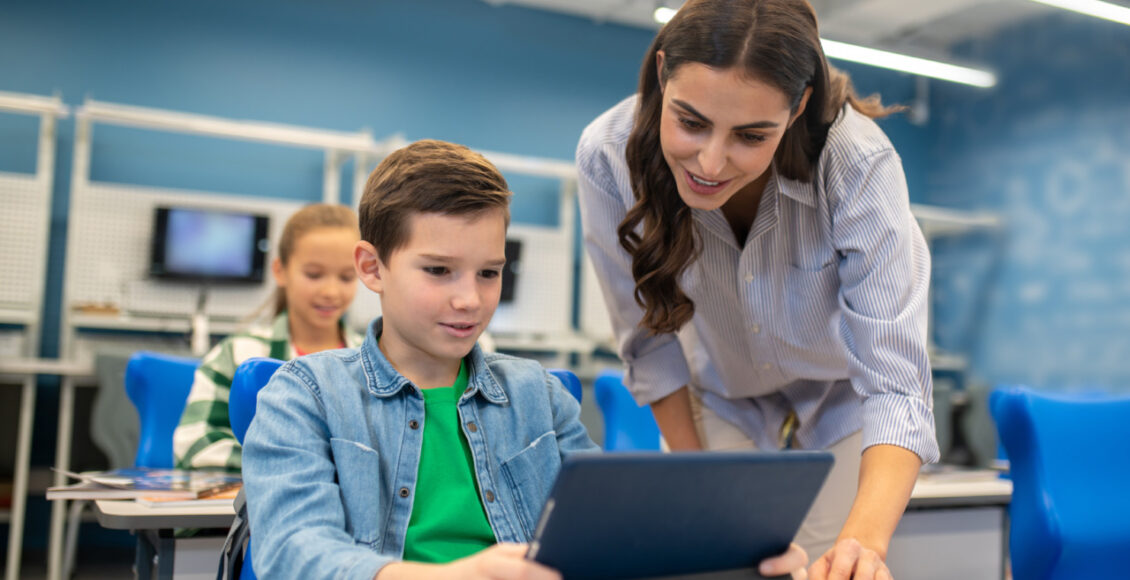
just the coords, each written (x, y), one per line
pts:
(358, 477)
(530, 473)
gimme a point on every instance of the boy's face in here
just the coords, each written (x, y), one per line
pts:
(438, 291)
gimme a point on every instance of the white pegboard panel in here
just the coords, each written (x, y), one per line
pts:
(112, 225)
(12, 343)
(543, 294)
(594, 319)
(23, 220)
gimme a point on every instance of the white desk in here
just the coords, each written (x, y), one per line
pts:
(159, 554)
(955, 527)
(29, 369)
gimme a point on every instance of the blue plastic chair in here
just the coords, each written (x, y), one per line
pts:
(250, 377)
(1069, 516)
(158, 385)
(570, 380)
(627, 426)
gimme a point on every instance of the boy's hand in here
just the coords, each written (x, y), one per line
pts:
(792, 561)
(500, 562)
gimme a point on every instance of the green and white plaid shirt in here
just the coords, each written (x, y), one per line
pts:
(204, 437)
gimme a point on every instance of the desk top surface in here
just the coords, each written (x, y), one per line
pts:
(961, 489)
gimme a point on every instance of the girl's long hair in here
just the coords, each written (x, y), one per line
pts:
(774, 41)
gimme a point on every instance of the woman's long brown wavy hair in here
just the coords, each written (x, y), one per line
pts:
(774, 41)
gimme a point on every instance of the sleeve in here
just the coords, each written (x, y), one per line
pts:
(294, 502)
(655, 364)
(204, 437)
(884, 282)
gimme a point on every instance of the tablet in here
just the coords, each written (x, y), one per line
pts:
(647, 515)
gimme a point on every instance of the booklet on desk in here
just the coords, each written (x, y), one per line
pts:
(131, 483)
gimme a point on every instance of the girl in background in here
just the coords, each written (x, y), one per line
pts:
(316, 284)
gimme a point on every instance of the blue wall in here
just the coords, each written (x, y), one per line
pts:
(1046, 299)
(499, 78)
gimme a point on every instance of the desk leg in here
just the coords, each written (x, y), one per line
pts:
(63, 462)
(155, 547)
(19, 486)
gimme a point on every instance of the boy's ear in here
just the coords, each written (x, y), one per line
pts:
(368, 265)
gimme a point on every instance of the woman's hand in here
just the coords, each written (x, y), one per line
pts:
(849, 560)
(498, 562)
(792, 561)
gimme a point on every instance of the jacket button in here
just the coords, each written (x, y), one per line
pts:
(468, 391)
(414, 424)
(472, 427)
(490, 495)
(404, 492)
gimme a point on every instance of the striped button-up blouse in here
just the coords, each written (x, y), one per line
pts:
(821, 311)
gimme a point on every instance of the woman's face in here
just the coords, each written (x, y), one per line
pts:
(719, 130)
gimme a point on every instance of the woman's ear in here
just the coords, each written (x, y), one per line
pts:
(659, 58)
(801, 106)
(368, 265)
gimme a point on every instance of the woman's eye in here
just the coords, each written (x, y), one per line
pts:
(436, 270)
(751, 138)
(691, 124)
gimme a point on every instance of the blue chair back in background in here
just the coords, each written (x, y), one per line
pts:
(158, 385)
(627, 426)
(1070, 464)
(250, 377)
(570, 380)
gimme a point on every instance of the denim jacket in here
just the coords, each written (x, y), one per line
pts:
(330, 461)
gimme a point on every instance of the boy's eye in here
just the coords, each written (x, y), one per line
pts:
(489, 274)
(436, 270)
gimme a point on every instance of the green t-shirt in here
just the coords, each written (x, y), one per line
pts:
(448, 521)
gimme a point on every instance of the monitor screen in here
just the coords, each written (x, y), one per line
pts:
(208, 245)
(510, 271)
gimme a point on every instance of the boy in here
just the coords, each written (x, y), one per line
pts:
(416, 446)
(416, 455)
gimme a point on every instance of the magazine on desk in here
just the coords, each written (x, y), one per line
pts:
(140, 482)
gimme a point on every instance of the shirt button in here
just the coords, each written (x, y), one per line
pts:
(404, 492)
(414, 424)
(756, 328)
(748, 278)
(489, 495)
(472, 427)
(766, 366)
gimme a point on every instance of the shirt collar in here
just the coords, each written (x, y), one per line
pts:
(384, 381)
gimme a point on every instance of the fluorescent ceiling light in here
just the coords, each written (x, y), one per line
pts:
(910, 64)
(1104, 10)
(663, 14)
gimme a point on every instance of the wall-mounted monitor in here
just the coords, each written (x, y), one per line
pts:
(510, 271)
(203, 245)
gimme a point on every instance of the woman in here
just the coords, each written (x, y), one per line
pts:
(750, 226)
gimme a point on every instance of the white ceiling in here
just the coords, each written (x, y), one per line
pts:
(923, 27)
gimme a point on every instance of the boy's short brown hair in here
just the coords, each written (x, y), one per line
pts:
(427, 176)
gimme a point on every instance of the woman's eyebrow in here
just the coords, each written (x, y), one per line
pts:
(755, 125)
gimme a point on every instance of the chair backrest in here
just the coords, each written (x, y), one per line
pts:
(250, 376)
(1069, 464)
(158, 385)
(627, 426)
(570, 380)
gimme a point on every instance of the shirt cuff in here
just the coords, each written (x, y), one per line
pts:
(657, 374)
(903, 421)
